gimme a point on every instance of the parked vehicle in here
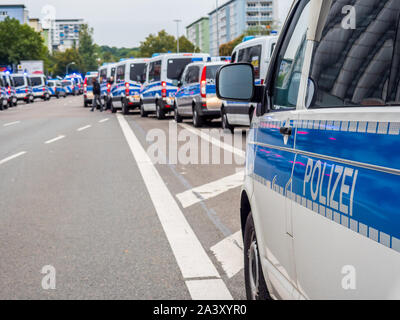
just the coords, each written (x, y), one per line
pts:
(69, 87)
(3, 95)
(88, 88)
(319, 206)
(258, 52)
(77, 83)
(39, 87)
(56, 89)
(129, 78)
(196, 97)
(163, 73)
(10, 88)
(106, 80)
(23, 87)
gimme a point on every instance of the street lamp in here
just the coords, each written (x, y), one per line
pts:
(177, 34)
(69, 64)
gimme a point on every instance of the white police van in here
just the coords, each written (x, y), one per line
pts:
(23, 88)
(129, 78)
(163, 74)
(106, 80)
(256, 51)
(40, 87)
(320, 202)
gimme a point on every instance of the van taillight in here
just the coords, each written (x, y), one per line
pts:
(9, 90)
(127, 87)
(26, 90)
(262, 82)
(164, 89)
(85, 88)
(108, 88)
(203, 83)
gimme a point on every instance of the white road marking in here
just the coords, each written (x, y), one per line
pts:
(12, 157)
(104, 120)
(55, 139)
(12, 123)
(191, 257)
(214, 141)
(229, 252)
(84, 128)
(210, 190)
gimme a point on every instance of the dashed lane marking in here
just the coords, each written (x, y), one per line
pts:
(11, 123)
(210, 190)
(193, 261)
(55, 139)
(104, 120)
(12, 157)
(84, 128)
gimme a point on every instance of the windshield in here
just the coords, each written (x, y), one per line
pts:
(176, 67)
(36, 81)
(19, 81)
(66, 84)
(211, 72)
(138, 72)
(89, 81)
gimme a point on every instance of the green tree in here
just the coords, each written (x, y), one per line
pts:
(87, 49)
(20, 42)
(62, 59)
(160, 43)
(186, 46)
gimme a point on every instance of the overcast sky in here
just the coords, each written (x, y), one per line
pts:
(125, 23)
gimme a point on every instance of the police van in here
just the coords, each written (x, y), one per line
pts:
(39, 87)
(3, 95)
(9, 85)
(320, 201)
(56, 89)
(69, 87)
(256, 51)
(106, 80)
(77, 83)
(163, 74)
(22, 85)
(129, 78)
(196, 96)
(88, 88)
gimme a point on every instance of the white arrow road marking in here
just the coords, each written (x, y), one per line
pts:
(214, 141)
(55, 139)
(12, 123)
(12, 157)
(190, 255)
(229, 252)
(84, 128)
(210, 190)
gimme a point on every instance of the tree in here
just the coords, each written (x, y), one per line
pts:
(186, 46)
(227, 48)
(62, 59)
(20, 42)
(87, 49)
(161, 43)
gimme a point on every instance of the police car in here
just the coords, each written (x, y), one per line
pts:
(256, 51)
(3, 95)
(39, 87)
(69, 87)
(163, 73)
(56, 89)
(22, 85)
(106, 80)
(9, 85)
(320, 202)
(77, 83)
(129, 78)
(88, 88)
(196, 97)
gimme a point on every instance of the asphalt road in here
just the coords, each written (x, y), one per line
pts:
(76, 193)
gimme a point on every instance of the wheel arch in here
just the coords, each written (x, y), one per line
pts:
(245, 210)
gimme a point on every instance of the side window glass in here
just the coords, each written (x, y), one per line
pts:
(194, 75)
(254, 59)
(290, 62)
(241, 55)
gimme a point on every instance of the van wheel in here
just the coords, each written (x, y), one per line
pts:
(143, 113)
(225, 123)
(177, 117)
(113, 110)
(159, 112)
(197, 119)
(256, 287)
(125, 109)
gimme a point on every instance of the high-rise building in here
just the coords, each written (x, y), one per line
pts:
(16, 11)
(64, 33)
(198, 33)
(234, 17)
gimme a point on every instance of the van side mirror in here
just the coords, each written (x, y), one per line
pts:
(236, 82)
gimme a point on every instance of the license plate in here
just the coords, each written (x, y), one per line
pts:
(90, 95)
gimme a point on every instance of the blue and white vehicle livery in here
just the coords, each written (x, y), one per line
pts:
(23, 89)
(129, 78)
(9, 85)
(39, 87)
(320, 202)
(196, 97)
(106, 80)
(163, 74)
(3, 95)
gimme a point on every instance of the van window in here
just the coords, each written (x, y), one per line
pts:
(211, 73)
(36, 81)
(66, 84)
(138, 72)
(2, 82)
(358, 67)
(155, 71)
(89, 81)
(193, 74)
(51, 84)
(103, 75)
(251, 55)
(290, 60)
(121, 73)
(176, 68)
(19, 81)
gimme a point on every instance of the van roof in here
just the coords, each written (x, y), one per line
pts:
(255, 41)
(179, 55)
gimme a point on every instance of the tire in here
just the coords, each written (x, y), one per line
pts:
(113, 110)
(85, 104)
(160, 112)
(125, 108)
(197, 119)
(1, 105)
(143, 113)
(177, 117)
(256, 287)
(225, 123)
(58, 96)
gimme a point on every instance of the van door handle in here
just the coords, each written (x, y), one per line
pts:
(286, 131)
